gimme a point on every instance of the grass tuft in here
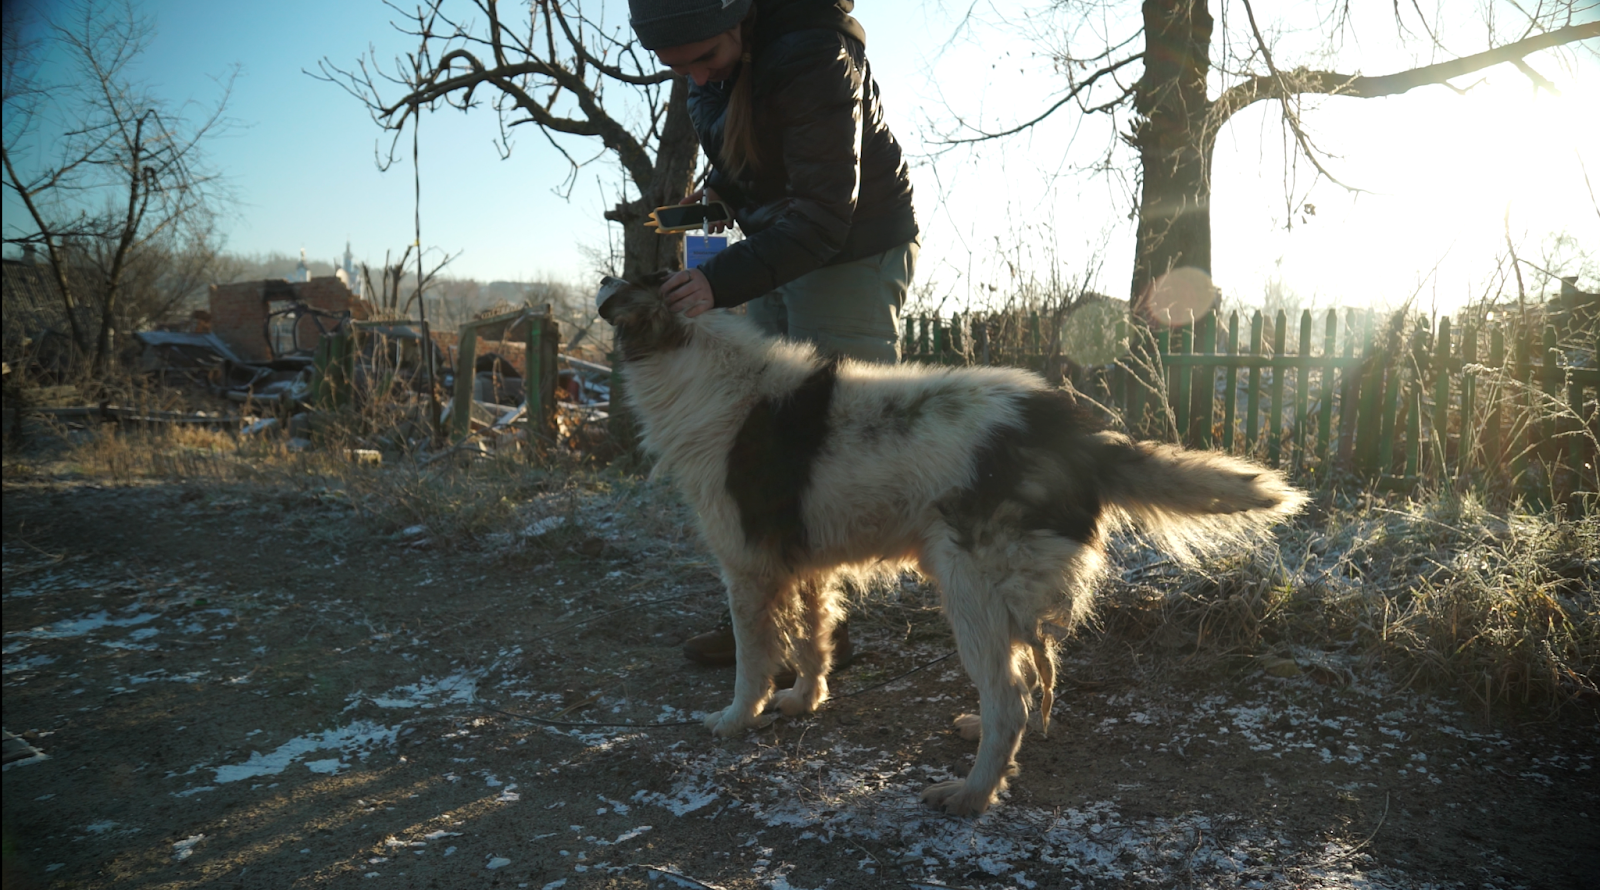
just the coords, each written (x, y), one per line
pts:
(1499, 605)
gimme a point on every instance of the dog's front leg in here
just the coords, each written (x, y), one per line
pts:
(750, 602)
(812, 657)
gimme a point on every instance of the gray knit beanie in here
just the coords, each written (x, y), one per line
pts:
(664, 23)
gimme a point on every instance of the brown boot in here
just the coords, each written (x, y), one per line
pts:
(717, 648)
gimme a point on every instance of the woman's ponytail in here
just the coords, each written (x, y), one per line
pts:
(739, 151)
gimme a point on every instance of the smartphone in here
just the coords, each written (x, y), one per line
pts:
(683, 217)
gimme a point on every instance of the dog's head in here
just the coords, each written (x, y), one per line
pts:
(645, 325)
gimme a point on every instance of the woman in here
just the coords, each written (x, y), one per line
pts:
(783, 101)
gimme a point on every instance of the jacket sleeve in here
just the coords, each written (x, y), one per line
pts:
(815, 103)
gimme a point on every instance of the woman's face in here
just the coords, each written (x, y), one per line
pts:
(707, 60)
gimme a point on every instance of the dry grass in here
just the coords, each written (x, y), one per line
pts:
(1500, 605)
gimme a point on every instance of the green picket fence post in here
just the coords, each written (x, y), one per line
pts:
(1302, 399)
(1230, 388)
(1467, 441)
(1325, 392)
(466, 376)
(1368, 420)
(1581, 451)
(1414, 375)
(1392, 382)
(1178, 386)
(1204, 381)
(1441, 400)
(1494, 455)
(1550, 445)
(540, 373)
(1349, 396)
(333, 370)
(1252, 397)
(1523, 413)
(1280, 325)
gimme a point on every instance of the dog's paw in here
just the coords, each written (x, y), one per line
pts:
(969, 726)
(796, 701)
(957, 799)
(728, 722)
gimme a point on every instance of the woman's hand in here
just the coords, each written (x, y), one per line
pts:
(706, 194)
(688, 292)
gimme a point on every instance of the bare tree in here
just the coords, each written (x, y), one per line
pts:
(552, 68)
(112, 177)
(1171, 113)
(392, 274)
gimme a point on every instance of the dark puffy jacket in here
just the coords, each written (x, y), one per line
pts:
(831, 186)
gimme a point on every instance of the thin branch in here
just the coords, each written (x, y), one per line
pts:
(1284, 94)
(1075, 92)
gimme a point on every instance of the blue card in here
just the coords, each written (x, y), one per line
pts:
(699, 248)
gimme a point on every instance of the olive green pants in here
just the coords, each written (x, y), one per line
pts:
(852, 309)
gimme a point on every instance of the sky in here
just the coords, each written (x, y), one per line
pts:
(1440, 176)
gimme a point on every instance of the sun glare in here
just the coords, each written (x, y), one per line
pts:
(1440, 181)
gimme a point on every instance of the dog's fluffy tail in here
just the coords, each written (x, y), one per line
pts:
(1191, 501)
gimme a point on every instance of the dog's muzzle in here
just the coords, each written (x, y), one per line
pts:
(609, 287)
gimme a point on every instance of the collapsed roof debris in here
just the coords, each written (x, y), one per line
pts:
(388, 373)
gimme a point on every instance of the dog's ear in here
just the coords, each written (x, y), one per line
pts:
(654, 279)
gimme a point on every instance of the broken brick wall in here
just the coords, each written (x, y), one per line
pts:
(239, 311)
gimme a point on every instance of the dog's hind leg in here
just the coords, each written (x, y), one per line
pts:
(753, 602)
(1044, 664)
(989, 645)
(813, 647)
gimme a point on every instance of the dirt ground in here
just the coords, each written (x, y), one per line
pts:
(232, 690)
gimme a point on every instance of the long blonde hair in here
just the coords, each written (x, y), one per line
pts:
(739, 150)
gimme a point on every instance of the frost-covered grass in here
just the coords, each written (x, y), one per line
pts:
(1502, 605)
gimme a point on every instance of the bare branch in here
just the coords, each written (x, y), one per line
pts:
(1291, 118)
(1329, 83)
(1076, 91)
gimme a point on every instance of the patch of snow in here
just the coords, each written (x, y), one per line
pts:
(458, 688)
(68, 628)
(185, 848)
(359, 737)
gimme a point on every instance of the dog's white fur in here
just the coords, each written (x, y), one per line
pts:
(882, 495)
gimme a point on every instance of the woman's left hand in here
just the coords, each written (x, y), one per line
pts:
(688, 292)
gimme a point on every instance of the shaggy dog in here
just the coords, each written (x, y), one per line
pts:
(805, 470)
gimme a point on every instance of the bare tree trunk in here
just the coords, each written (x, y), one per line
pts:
(1174, 146)
(1174, 143)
